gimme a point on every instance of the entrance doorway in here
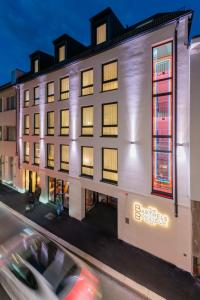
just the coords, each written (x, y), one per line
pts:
(31, 180)
(58, 186)
(11, 169)
(101, 211)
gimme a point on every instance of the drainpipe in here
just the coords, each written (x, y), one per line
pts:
(176, 124)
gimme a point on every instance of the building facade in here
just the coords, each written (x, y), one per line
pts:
(105, 125)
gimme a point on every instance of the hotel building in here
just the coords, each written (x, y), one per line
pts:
(106, 126)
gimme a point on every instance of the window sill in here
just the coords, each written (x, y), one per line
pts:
(64, 171)
(109, 182)
(60, 100)
(85, 135)
(63, 135)
(35, 134)
(35, 105)
(108, 90)
(37, 165)
(86, 176)
(26, 162)
(49, 134)
(50, 168)
(86, 95)
(109, 136)
(163, 195)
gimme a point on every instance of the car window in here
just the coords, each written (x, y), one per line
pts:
(22, 273)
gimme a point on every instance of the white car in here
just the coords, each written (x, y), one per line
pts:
(33, 267)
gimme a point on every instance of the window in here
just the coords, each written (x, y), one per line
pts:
(1, 102)
(109, 119)
(61, 53)
(36, 124)
(50, 156)
(50, 123)
(26, 98)
(162, 164)
(1, 134)
(36, 65)
(87, 162)
(26, 152)
(64, 122)
(109, 76)
(26, 124)
(64, 158)
(87, 82)
(11, 103)
(11, 133)
(36, 154)
(64, 88)
(87, 120)
(110, 165)
(36, 95)
(50, 92)
(101, 34)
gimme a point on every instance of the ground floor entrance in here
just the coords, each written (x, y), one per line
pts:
(101, 211)
(58, 186)
(31, 179)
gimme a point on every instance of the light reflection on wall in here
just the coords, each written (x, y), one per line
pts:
(21, 118)
(74, 102)
(42, 85)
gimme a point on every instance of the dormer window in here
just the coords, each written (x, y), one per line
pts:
(36, 65)
(61, 53)
(101, 34)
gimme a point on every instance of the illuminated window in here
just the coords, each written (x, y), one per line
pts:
(36, 124)
(87, 120)
(36, 65)
(36, 95)
(64, 158)
(64, 88)
(50, 123)
(110, 165)
(26, 124)
(50, 92)
(61, 53)
(36, 154)
(110, 120)
(64, 122)
(26, 152)
(162, 177)
(11, 133)
(87, 162)
(101, 34)
(109, 76)
(50, 156)
(26, 98)
(87, 82)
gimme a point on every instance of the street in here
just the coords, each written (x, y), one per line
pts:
(111, 289)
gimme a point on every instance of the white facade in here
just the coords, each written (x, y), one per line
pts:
(134, 97)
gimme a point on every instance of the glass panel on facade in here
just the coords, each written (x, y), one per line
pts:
(101, 34)
(162, 182)
(87, 120)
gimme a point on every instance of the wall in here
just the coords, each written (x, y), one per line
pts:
(134, 97)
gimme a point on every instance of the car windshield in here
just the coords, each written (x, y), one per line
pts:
(49, 260)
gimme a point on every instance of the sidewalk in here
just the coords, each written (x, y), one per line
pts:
(147, 270)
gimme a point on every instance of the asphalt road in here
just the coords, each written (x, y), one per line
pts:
(111, 289)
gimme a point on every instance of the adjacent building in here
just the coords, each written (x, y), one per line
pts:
(106, 126)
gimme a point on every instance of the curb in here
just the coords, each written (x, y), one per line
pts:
(138, 288)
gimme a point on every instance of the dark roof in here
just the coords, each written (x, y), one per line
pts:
(102, 14)
(6, 86)
(143, 27)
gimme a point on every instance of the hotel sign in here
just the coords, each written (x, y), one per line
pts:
(150, 215)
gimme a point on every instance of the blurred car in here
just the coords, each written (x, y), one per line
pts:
(34, 267)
